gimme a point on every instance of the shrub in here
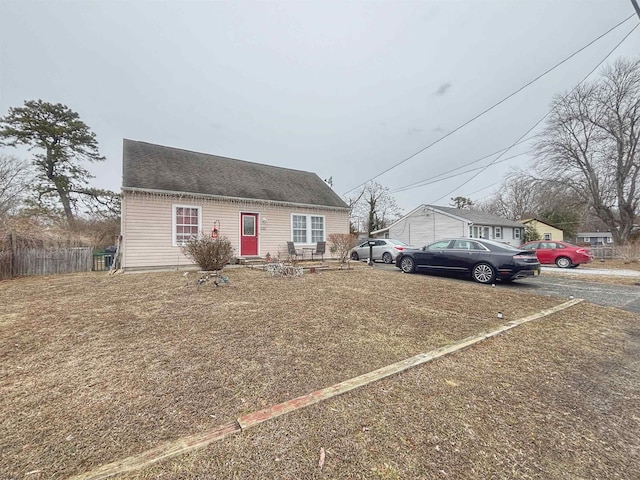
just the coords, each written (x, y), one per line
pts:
(208, 253)
(343, 243)
(629, 253)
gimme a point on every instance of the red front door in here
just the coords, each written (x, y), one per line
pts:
(248, 234)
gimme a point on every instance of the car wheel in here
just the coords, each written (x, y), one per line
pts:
(483, 273)
(407, 265)
(354, 256)
(386, 257)
(563, 262)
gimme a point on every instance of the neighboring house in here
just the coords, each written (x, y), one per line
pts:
(429, 223)
(545, 230)
(595, 238)
(170, 194)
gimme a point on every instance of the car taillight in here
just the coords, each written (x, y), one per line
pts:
(525, 256)
(584, 251)
(399, 248)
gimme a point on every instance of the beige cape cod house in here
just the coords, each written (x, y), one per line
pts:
(170, 194)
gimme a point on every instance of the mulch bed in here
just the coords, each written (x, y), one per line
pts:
(99, 367)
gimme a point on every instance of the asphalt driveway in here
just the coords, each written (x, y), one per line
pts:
(624, 297)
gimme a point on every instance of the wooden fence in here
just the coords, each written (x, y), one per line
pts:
(604, 251)
(45, 261)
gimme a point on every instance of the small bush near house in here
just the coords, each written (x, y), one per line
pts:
(208, 253)
(343, 243)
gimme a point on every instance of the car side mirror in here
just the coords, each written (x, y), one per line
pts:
(424, 248)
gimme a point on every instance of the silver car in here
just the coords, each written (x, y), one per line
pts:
(385, 249)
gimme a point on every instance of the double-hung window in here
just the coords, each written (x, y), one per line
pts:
(317, 229)
(186, 223)
(307, 228)
(497, 232)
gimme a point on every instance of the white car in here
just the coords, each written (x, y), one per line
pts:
(385, 249)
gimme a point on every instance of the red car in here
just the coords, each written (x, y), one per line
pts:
(563, 254)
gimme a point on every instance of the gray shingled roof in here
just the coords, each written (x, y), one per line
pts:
(479, 218)
(157, 168)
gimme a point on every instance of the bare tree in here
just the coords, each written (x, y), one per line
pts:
(374, 207)
(515, 200)
(15, 181)
(590, 146)
(522, 196)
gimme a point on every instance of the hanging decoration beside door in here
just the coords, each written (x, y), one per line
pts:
(215, 230)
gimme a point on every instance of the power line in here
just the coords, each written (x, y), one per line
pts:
(421, 183)
(435, 179)
(491, 107)
(545, 116)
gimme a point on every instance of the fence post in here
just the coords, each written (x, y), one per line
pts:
(12, 244)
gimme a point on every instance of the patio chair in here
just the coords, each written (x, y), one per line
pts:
(293, 253)
(320, 249)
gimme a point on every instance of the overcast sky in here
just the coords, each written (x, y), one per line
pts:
(344, 89)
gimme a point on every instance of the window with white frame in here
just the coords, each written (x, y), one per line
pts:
(516, 233)
(299, 224)
(497, 232)
(547, 236)
(307, 228)
(186, 223)
(317, 229)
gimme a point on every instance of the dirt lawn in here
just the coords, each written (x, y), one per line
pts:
(96, 368)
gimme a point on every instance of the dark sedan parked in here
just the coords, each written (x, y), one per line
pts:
(483, 260)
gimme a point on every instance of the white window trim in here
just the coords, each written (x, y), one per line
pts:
(308, 235)
(174, 232)
(497, 232)
(516, 233)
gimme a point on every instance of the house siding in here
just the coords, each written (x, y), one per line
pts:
(546, 232)
(147, 227)
(595, 238)
(426, 225)
(420, 228)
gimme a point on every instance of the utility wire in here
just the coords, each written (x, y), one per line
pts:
(428, 180)
(435, 179)
(491, 107)
(545, 116)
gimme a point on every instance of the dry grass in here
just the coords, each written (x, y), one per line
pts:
(95, 368)
(612, 263)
